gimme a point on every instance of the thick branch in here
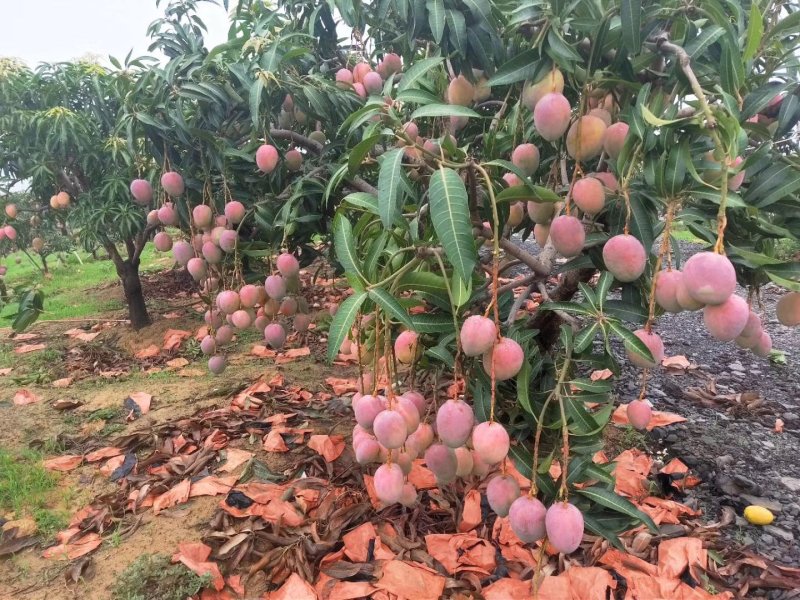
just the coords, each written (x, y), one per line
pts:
(541, 265)
(141, 241)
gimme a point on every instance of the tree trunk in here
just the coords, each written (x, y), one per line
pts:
(128, 272)
(44, 264)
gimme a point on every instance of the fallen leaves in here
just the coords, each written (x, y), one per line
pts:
(677, 363)
(64, 463)
(342, 386)
(23, 397)
(234, 458)
(295, 588)
(194, 555)
(62, 383)
(330, 447)
(150, 351)
(410, 580)
(176, 495)
(601, 375)
(173, 338)
(137, 403)
(73, 545)
(177, 363)
(27, 348)
(462, 552)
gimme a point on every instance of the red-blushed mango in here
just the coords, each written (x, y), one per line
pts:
(553, 81)
(442, 461)
(242, 319)
(366, 409)
(639, 414)
(389, 483)
(709, 278)
(512, 180)
(602, 114)
(464, 464)
(654, 344)
(390, 65)
(266, 158)
(11, 211)
(418, 400)
(294, 160)
(541, 233)
(11, 234)
(460, 91)
(228, 302)
(408, 410)
(212, 253)
(608, 180)
(526, 157)
(203, 216)
(172, 183)
(223, 335)
(360, 90)
(614, 139)
(367, 450)
(275, 336)
(63, 198)
(551, 116)
(162, 241)
(197, 267)
(726, 321)
(788, 309)
(585, 137)
(141, 190)
(735, 181)
(506, 356)
(360, 70)
(287, 264)
(454, 421)
(764, 345)
(478, 334)
(373, 83)
(666, 290)
(501, 492)
(215, 235)
(625, 257)
(182, 252)
(167, 215)
(752, 327)
(567, 235)
(288, 307)
(564, 526)
(421, 439)
(275, 286)
(480, 468)
(152, 218)
(457, 123)
(491, 442)
(411, 130)
(589, 195)
(234, 212)
(227, 240)
(390, 429)
(249, 295)
(208, 345)
(406, 347)
(405, 459)
(684, 298)
(516, 212)
(344, 78)
(409, 496)
(541, 212)
(217, 364)
(288, 103)
(37, 244)
(526, 515)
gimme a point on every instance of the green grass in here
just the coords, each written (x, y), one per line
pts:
(25, 489)
(154, 577)
(69, 292)
(680, 232)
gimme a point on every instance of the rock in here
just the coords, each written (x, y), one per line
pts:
(671, 438)
(768, 444)
(736, 366)
(767, 539)
(747, 485)
(793, 483)
(724, 461)
(747, 541)
(786, 536)
(789, 417)
(770, 505)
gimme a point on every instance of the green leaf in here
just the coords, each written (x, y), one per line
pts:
(521, 67)
(568, 307)
(360, 150)
(617, 503)
(417, 96)
(625, 311)
(432, 323)
(457, 27)
(436, 18)
(598, 528)
(389, 186)
(430, 285)
(632, 343)
(527, 193)
(657, 121)
(755, 31)
(31, 306)
(604, 283)
(583, 339)
(368, 202)
(451, 221)
(443, 110)
(389, 303)
(417, 71)
(255, 100)
(343, 244)
(630, 12)
(342, 322)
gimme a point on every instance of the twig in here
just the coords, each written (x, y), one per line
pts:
(564, 316)
(518, 304)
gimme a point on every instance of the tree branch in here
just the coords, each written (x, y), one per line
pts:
(541, 265)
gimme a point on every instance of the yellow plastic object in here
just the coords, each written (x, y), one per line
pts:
(758, 515)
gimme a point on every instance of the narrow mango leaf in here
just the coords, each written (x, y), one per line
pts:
(755, 31)
(436, 18)
(443, 110)
(417, 72)
(630, 12)
(343, 244)
(389, 303)
(451, 221)
(342, 322)
(389, 186)
(632, 343)
(617, 503)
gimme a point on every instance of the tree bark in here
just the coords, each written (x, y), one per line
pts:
(128, 273)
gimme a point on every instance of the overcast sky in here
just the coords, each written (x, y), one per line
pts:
(59, 30)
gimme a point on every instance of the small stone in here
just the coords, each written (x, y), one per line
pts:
(724, 461)
(736, 366)
(768, 444)
(793, 483)
(747, 541)
(786, 536)
(790, 416)
(766, 539)
(671, 438)
(746, 484)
